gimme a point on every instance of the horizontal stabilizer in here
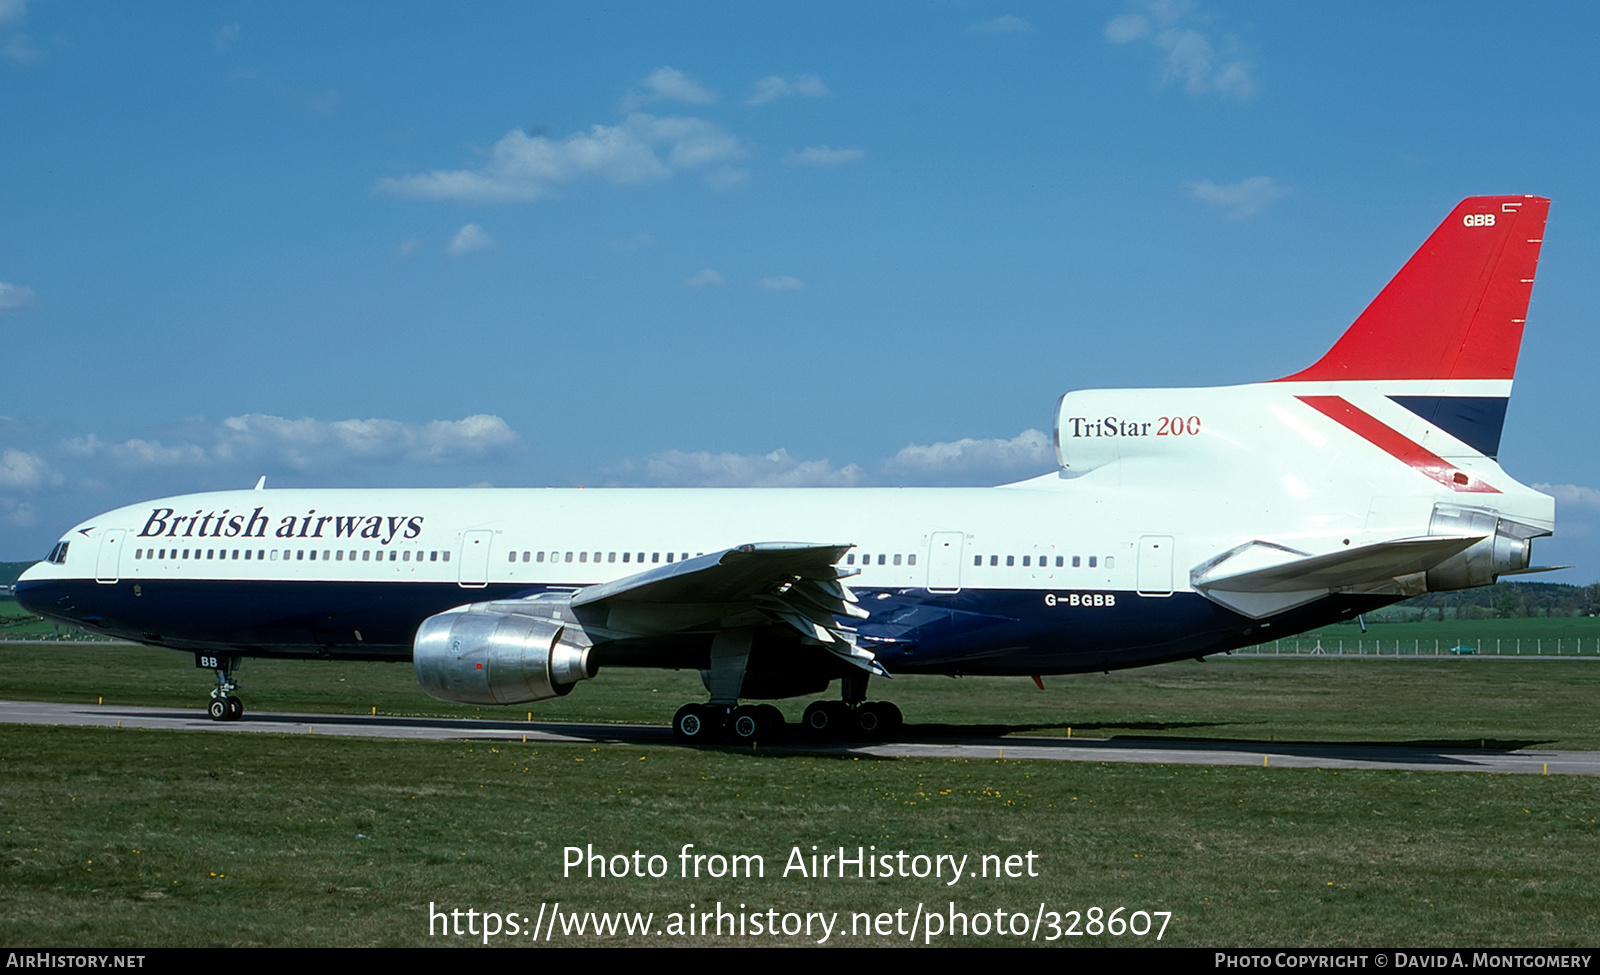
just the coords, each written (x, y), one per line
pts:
(1261, 579)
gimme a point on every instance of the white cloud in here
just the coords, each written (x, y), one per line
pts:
(306, 443)
(1188, 55)
(705, 277)
(22, 471)
(773, 87)
(18, 513)
(780, 282)
(19, 49)
(822, 156)
(1243, 199)
(224, 37)
(1004, 24)
(13, 10)
(260, 442)
(468, 239)
(409, 246)
(777, 469)
(523, 168)
(1030, 450)
(1573, 494)
(14, 297)
(1128, 27)
(668, 85)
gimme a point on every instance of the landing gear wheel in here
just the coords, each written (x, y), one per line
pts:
(218, 709)
(824, 718)
(694, 724)
(877, 720)
(772, 722)
(745, 725)
(235, 709)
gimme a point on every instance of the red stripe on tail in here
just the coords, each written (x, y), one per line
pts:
(1396, 444)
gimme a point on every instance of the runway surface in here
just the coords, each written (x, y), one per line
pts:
(913, 742)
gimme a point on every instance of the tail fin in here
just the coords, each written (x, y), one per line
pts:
(1456, 310)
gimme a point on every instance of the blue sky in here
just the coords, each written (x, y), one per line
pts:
(670, 244)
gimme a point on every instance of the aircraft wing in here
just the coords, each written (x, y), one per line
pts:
(788, 583)
(1261, 579)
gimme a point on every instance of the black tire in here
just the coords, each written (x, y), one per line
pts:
(745, 725)
(821, 718)
(893, 720)
(869, 721)
(235, 709)
(694, 724)
(773, 724)
(218, 709)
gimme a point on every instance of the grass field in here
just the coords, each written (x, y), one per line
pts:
(129, 838)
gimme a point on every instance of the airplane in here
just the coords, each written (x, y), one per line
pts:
(1179, 523)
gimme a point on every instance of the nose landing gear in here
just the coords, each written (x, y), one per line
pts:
(224, 705)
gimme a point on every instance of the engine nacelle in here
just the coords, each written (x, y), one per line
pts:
(481, 655)
(1507, 547)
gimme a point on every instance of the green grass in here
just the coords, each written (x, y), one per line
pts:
(1450, 702)
(144, 838)
(1417, 636)
(141, 838)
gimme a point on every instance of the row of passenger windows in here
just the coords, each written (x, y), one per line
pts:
(1044, 560)
(405, 555)
(609, 556)
(289, 554)
(656, 557)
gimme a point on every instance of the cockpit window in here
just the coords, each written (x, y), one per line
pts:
(58, 555)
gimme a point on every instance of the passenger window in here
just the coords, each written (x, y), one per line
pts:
(1111, 562)
(1058, 561)
(911, 560)
(1076, 562)
(513, 557)
(897, 560)
(977, 560)
(669, 556)
(1025, 559)
(994, 560)
(625, 556)
(849, 560)
(1091, 561)
(583, 556)
(540, 558)
(1011, 560)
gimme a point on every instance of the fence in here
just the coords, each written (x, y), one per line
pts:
(1364, 647)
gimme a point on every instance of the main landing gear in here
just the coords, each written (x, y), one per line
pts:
(725, 720)
(224, 706)
(854, 716)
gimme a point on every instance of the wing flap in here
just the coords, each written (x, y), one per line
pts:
(795, 584)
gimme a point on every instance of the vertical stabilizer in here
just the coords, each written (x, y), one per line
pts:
(1456, 310)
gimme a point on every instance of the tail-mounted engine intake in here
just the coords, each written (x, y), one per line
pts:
(483, 655)
(1507, 547)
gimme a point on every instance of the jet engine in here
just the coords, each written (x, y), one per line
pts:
(483, 655)
(1507, 547)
